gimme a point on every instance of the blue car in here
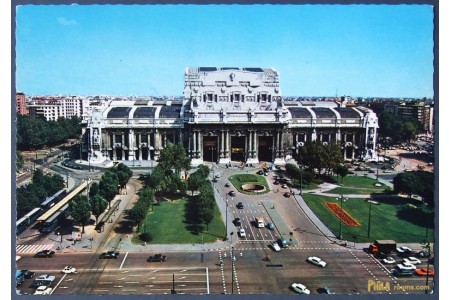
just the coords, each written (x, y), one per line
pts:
(270, 226)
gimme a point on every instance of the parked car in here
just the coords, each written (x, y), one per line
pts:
(270, 226)
(237, 222)
(403, 249)
(402, 273)
(316, 261)
(240, 205)
(287, 194)
(46, 277)
(227, 184)
(241, 232)
(45, 253)
(260, 172)
(28, 274)
(406, 266)
(389, 260)
(68, 270)
(43, 290)
(424, 272)
(284, 186)
(412, 260)
(275, 246)
(232, 193)
(324, 290)
(157, 258)
(109, 254)
(423, 253)
(300, 288)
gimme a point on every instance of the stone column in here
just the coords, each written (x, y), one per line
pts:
(157, 138)
(338, 135)
(130, 144)
(314, 135)
(114, 147)
(194, 144)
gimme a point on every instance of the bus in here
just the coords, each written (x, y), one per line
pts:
(28, 219)
(52, 200)
(51, 223)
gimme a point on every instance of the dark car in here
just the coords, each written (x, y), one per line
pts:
(45, 253)
(109, 254)
(157, 258)
(37, 283)
(324, 290)
(240, 205)
(28, 274)
(227, 184)
(287, 194)
(260, 172)
(232, 193)
(270, 226)
(237, 222)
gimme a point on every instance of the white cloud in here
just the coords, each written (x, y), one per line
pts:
(65, 22)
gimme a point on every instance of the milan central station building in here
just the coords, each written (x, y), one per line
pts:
(226, 115)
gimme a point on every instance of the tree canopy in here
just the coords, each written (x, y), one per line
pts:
(36, 132)
(80, 210)
(317, 155)
(419, 183)
(398, 129)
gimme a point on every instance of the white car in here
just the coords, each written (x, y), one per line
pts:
(412, 260)
(406, 266)
(69, 270)
(404, 249)
(45, 277)
(242, 232)
(317, 261)
(43, 290)
(275, 246)
(389, 260)
(300, 288)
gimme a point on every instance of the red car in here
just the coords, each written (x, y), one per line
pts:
(424, 272)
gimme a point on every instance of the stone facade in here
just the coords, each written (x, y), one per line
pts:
(227, 114)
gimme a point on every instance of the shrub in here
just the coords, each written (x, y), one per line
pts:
(247, 178)
(145, 237)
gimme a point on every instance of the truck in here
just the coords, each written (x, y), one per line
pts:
(260, 222)
(382, 246)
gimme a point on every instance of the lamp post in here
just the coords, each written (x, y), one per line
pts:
(226, 216)
(341, 198)
(301, 180)
(370, 212)
(378, 160)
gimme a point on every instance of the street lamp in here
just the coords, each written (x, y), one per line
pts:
(232, 270)
(370, 212)
(341, 198)
(301, 180)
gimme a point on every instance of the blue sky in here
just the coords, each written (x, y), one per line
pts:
(319, 50)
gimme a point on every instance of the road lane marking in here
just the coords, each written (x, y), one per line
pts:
(135, 275)
(105, 282)
(207, 281)
(123, 261)
(59, 282)
(132, 282)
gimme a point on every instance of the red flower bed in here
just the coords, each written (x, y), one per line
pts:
(342, 214)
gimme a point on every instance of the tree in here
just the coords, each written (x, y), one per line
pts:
(406, 183)
(342, 170)
(155, 178)
(108, 186)
(206, 203)
(195, 181)
(333, 156)
(98, 206)
(173, 157)
(80, 210)
(313, 155)
(124, 174)
(93, 189)
(19, 160)
(138, 213)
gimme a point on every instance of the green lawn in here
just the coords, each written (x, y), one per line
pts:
(358, 185)
(305, 186)
(237, 183)
(169, 224)
(392, 219)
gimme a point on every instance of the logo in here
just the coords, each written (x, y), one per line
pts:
(378, 286)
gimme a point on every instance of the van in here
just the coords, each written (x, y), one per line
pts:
(260, 222)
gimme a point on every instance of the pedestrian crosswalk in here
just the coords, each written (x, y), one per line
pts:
(32, 248)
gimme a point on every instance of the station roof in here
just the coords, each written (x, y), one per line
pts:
(144, 112)
(119, 113)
